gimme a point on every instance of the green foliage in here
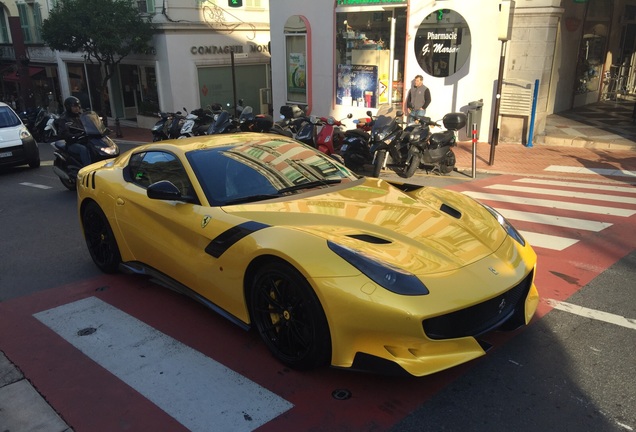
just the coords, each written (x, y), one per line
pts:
(105, 30)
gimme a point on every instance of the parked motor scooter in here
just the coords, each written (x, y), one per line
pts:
(386, 142)
(356, 149)
(433, 151)
(50, 129)
(331, 135)
(161, 130)
(94, 136)
(249, 122)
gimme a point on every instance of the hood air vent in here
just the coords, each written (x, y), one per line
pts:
(369, 238)
(451, 211)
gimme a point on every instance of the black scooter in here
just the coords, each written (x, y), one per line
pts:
(94, 136)
(387, 145)
(433, 151)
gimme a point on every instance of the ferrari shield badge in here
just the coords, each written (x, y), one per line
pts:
(205, 221)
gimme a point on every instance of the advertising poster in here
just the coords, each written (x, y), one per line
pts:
(357, 86)
(296, 78)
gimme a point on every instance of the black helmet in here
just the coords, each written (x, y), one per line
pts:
(70, 102)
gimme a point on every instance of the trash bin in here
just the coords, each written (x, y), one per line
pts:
(474, 117)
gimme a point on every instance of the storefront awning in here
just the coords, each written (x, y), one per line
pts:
(13, 76)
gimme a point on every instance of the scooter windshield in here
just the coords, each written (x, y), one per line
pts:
(93, 125)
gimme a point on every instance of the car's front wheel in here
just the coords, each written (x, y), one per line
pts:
(100, 239)
(289, 317)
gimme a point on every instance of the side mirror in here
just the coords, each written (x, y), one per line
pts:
(163, 190)
(349, 115)
(369, 114)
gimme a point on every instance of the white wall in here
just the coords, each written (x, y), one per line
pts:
(476, 80)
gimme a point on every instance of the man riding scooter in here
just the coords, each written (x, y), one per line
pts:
(68, 125)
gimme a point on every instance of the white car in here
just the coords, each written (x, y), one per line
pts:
(17, 145)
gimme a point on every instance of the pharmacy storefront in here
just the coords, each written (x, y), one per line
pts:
(361, 54)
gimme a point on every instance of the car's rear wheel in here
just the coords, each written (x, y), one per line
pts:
(289, 317)
(100, 239)
(35, 163)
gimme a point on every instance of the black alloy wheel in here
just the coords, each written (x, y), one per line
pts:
(289, 317)
(100, 239)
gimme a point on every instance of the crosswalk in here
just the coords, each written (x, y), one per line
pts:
(555, 214)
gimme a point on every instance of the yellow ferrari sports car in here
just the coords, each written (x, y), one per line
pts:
(329, 267)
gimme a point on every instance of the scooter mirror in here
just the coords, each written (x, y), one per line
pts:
(349, 115)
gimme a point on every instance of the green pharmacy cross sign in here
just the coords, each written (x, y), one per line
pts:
(235, 3)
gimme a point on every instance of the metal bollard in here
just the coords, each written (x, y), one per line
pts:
(474, 150)
(118, 133)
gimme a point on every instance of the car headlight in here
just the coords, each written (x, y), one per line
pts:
(385, 275)
(24, 133)
(512, 232)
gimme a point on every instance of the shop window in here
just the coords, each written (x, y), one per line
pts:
(4, 32)
(296, 33)
(593, 47)
(370, 56)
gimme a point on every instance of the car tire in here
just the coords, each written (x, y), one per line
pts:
(34, 163)
(288, 316)
(69, 184)
(100, 239)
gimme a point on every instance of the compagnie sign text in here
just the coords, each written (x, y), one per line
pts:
(226, 49)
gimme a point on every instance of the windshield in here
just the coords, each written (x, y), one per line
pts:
(385, 116)
(92, 123)
(263, 170)
(8, 118)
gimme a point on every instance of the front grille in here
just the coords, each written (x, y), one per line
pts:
(482, 317)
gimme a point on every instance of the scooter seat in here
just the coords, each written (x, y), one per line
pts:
(60, 145)
(357, 132)
(440, 139)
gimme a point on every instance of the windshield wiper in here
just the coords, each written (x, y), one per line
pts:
(309, 185)
(251, 198)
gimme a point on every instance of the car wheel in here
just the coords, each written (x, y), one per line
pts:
(447, 164)
(380, 156)
(34, 163)
(412, 164)
(100, 238)
(289, 317)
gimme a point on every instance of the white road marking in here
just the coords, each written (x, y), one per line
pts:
(564, 193)
(587, 208)
(583, 170)
(547, 241)
(197, 391)
(593, 314)
(546, 219)
(35, 185)
(603, 187)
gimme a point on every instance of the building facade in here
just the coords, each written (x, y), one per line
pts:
(203, 52)
(513, 61)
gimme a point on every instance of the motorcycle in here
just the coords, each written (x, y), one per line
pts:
(386, 138)
(196, 122)
(330, 137)
(224, 123)
(160, 131)
(249, 122)
(94, 136)
(433, 150)
(50, 130)
(356, 149)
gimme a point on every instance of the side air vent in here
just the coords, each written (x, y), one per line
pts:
(451, 211)
(369, 238)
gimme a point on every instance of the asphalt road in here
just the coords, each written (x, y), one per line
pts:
(565, 372)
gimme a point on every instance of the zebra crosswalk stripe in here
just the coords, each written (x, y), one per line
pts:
(564, 193)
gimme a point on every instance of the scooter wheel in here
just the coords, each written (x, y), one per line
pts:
(447, 165)
(412, 164)
(380, 156)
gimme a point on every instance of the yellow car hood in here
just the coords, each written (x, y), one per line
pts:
(426, 231)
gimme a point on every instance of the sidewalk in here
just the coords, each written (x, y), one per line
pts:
(570, 150)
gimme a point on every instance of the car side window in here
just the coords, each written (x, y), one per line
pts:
(150, 167)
